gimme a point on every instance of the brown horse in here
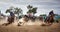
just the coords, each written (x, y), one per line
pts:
(10, 20)
(49, 19)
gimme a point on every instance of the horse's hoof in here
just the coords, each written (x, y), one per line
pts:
(57, 21)
(18, 25)
(46, 25)
(43, 25)
(4, 24)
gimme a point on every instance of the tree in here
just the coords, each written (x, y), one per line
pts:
(9, 10)
(31, 9)
(18, 11)
(43, 15)
(34, 10)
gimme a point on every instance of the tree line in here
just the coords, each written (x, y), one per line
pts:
(19, 11)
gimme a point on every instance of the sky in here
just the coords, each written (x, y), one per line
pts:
(44, 6)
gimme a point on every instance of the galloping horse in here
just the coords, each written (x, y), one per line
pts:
(50, 18)
(10, 19)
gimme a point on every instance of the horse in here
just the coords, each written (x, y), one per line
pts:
(40, 18)
(10, 19)
(49, 19)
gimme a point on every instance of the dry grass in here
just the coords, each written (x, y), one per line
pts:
(31, 28)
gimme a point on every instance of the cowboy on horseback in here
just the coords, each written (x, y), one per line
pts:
(11, 18)
(51, 15)
(50, 18)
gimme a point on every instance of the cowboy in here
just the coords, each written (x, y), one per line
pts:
(10, 19)
(51, 15)
(12, 16)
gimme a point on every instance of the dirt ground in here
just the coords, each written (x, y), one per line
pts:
(30, 28)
